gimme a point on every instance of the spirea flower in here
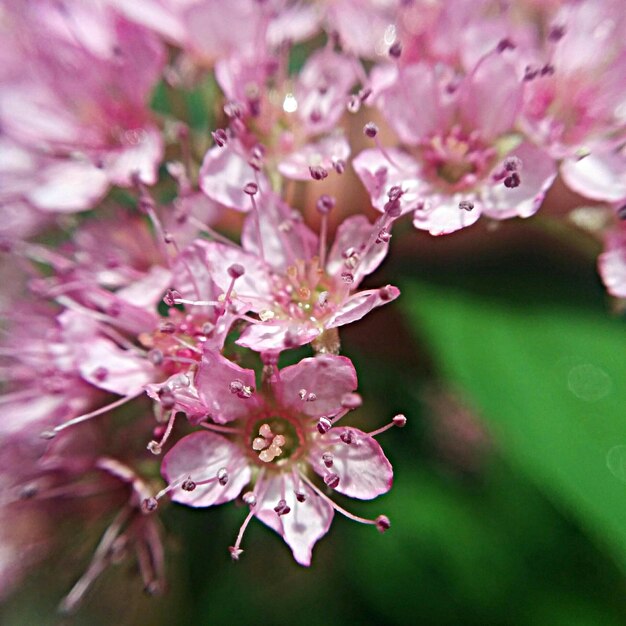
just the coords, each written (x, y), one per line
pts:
(282, 450)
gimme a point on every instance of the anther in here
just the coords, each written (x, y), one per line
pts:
(166, 398)
(171, 297)
(188, 485)
(282, 508)
(547, 70)
(154, 447)
(621, 212)
(325, 204)
(347, 277)
(222, 476)
(505, 44)
(324, 425)
(512, 163)
(317, 172)
(556, 32)
(512, 180)
(393, 208)
(155, 356)
(149, 505)
(250, 188)
(395, 50)
(327, 458)
(382, 523)
(466, 205)
(236, 270)
(300, 496)
(100, 374)
(371, 130)
(331, 480)
(399, 420)
(395, 192)
(235, 553)
(339, 166)
(386, 293)
(347, 437)
(220, 137)
(364, 94)
(354, 104)
(249, 498)
(167, 328)
(311, 397)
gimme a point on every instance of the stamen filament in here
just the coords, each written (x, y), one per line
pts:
(336, 507)
(87, 416)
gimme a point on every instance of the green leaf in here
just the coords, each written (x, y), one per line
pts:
(550, 380)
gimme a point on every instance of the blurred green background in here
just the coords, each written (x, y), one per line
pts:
(509, 503)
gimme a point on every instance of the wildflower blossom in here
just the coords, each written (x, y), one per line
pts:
(279, 440)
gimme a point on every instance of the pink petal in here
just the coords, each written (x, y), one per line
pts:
(355, 232)
(320, 109)
(360, 304)
(601, 176)
(252, 286)
(214, 380)
(443, 216)
(200, 456)
(113, 369)
(325, 153)
(537, 174)
(491, 97)
(147, 291)
(612, 263)
(267, 337)
(141, 155)
(68, 186)
(306, 522)
(186, 398)
(225, 173)
(379, 176)
(328, 376)
(284, 238)
(412, 104)
(363, 469)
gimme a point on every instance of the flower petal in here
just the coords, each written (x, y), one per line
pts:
(360, 304)
(200, 456)
(328, 376)
(305, 523)
(363, 469)
(214, 381)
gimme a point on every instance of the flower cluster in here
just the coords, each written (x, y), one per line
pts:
(175, 220)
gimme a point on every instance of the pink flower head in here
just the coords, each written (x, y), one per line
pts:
(464, 154)
(296, 289)
(282, 445)
(575, 97)
(81, 100)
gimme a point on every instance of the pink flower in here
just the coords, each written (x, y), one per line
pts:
(298, 295)
(284, 442)
(465, 157)
(80, 103)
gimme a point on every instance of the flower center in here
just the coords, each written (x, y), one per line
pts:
(302, 293)
(457, 159)
(275, 440)
(177, 341)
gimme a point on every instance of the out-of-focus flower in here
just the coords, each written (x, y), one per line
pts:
(279, 441)
(78, 107)
(465, 155)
